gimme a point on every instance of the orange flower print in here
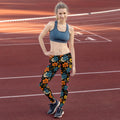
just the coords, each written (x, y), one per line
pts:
(41, 88)
(61, 56)
(45, 81)
(54, 64)
(65, 65)
(63, 82)
(60, 99)
(50, 95)
(51, 57)
(61, 72)
(46, 69)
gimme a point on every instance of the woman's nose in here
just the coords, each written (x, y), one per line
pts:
(62, 15)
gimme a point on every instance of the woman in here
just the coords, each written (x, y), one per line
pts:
(61, 55)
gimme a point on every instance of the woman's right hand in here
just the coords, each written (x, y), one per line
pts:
(49, 53)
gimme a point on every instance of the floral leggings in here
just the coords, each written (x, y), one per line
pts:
(57, 61)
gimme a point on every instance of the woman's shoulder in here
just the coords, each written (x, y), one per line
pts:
(51, 24)
(71, 28)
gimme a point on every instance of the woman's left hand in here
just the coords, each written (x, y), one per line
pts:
(49, 53)
(73, 71)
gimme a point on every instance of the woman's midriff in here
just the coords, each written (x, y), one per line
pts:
(59, 48)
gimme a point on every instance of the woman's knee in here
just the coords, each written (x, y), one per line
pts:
(44, 82)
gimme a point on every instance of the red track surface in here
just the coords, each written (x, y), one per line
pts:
(98, 96)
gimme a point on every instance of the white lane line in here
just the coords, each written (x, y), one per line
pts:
(107, 11)
(77, 39)
(93, 34)
(57, 93)
(70, 23)
(37, 76)
(83, 42)
(49, 17)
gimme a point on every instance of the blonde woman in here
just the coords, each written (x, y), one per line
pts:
(61, 55)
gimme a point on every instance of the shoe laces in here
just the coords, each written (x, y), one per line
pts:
(51, 105)
(59, 110)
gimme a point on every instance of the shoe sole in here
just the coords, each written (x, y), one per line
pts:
(56, 108)
(59, 116)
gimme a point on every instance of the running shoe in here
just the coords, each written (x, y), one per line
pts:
(59, 113)
(53, 107)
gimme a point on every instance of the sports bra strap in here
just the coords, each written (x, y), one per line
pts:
(67, 27)
(56, 25)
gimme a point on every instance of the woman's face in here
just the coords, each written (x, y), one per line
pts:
(62, 14)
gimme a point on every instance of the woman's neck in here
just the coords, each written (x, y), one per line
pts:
(61, 22)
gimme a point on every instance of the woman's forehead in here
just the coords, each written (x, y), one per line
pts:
(62, 10)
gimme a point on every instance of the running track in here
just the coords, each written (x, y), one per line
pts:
(94, 90)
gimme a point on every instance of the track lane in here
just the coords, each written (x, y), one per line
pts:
(85, 106)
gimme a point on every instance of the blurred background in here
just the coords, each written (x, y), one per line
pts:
(15, 9)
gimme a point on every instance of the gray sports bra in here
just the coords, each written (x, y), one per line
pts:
(59, 36)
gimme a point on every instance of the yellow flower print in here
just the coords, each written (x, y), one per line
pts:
(70, 59)
(68, 79)
(65, 97)
(70, 66)
(63, 102)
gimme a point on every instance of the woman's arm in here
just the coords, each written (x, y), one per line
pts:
(72, 50)
(42, 35)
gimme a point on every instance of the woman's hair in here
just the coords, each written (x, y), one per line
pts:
(61, 5)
